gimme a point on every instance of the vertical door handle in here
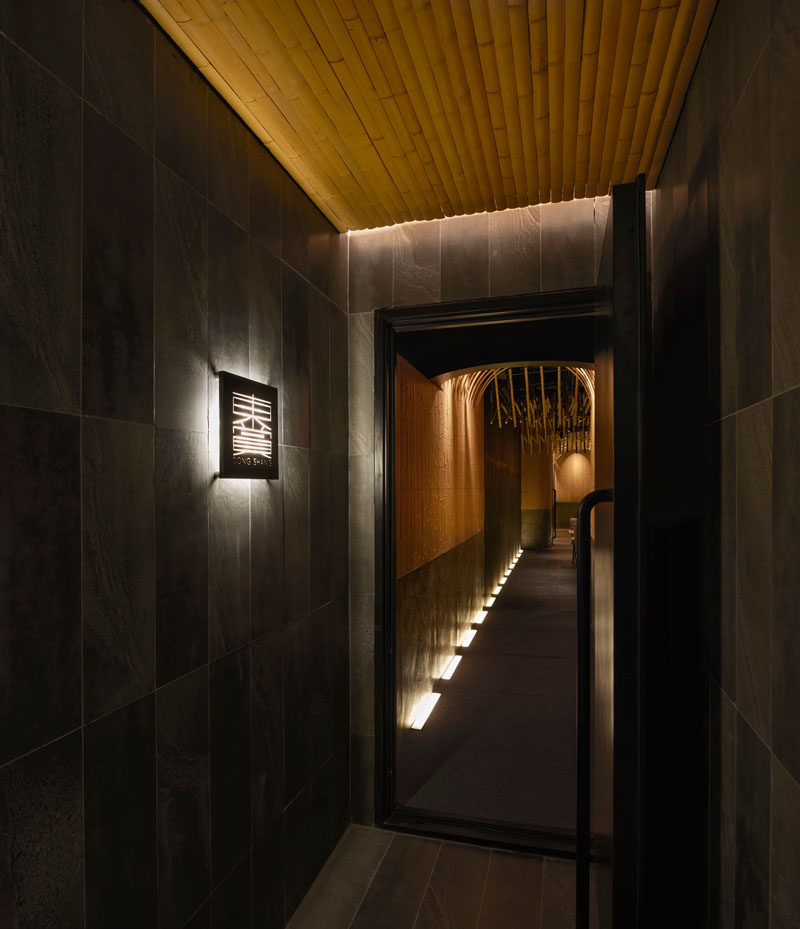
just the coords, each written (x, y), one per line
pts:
(584, 708)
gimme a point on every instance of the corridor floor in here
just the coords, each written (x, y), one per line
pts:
(500, 743)
(377, 879)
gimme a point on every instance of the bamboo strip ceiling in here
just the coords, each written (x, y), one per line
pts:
(386, 111)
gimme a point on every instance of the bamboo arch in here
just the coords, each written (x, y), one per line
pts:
(548, 418)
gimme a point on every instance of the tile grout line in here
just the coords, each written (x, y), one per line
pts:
(371, 880)
(427, 885)
(483, 889)
(155, 518)
(80, 477)
(771, 836)
(541, 895)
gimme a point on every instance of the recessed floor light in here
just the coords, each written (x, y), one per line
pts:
(424, 709)
(449, 671)
(466, 641)
(490, 602)
(479, 617)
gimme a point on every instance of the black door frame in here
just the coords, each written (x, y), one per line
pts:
(389, 322)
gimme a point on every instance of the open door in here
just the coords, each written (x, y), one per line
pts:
(612, 774)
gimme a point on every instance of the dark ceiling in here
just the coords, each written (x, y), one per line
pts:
(434, 352)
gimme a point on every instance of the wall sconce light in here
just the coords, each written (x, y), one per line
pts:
(248, 428)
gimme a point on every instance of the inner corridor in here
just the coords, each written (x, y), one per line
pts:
(500, 742)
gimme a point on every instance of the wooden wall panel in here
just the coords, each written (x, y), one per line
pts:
(502, 499)
(537, 481)
(573, 477)
(439, 484)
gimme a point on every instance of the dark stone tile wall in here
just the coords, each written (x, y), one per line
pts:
(565, 511)
(40, 365)
(536, 529)
(174, 720)
(725, 309)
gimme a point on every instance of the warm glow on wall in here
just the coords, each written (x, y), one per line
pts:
(439, 469)
(573, 476)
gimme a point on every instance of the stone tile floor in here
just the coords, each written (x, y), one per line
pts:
(376, 879)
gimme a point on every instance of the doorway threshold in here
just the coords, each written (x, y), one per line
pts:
(555, 843)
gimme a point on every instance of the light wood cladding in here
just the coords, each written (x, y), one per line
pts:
(537, 481)
(439, 481)
(573, 476)
(386, 111)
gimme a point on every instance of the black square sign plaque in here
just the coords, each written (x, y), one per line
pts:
(248, 428)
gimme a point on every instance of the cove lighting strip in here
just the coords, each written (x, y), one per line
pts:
(424, 710)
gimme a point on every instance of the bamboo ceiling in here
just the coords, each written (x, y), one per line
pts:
(386, 111)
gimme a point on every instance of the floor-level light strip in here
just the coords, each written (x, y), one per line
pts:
(449, 671)
(428, 702)
(424, 709)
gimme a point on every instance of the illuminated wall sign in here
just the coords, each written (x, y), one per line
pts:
(248, 428)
